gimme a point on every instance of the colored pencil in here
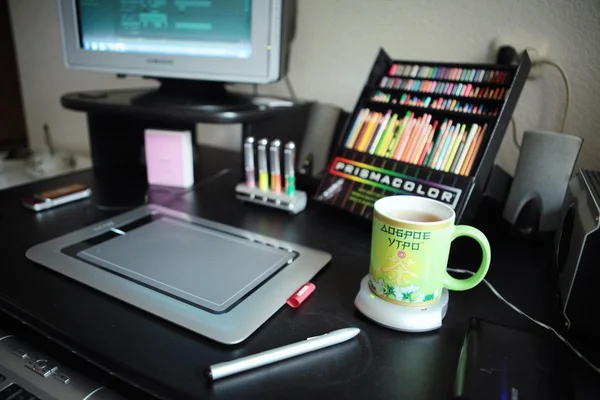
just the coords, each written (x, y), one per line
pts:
(426, 151)
(387, 136)
(455, 160)
(426, 143)
(444, 147)
(367, 133)
(420, 139)
(364, 126)
(401, 145)
(462, 155)
(472, 154)
(379, 132)
(412, 138)
(440, 147)
(475, 153)
(360, 119)
(436, 144)
(454, 147)
(398, 134)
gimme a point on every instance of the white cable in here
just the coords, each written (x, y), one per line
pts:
(514, 133)
(558, 335)
(567, 90)
(290, 88)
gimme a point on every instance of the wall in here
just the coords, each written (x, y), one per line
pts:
(335, 46)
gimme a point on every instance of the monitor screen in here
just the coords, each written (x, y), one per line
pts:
(175, 27)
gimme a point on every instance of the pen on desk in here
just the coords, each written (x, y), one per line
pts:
(263, 171)
(249, 162)
(228, 368)
(289, 160)
(275, 154)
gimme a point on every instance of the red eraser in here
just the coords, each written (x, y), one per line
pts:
(301, 295)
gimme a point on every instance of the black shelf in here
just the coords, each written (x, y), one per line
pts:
(355, 177)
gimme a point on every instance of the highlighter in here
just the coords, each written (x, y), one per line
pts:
(289, 160)
(274, 155)
(263, 171)
(249, 162)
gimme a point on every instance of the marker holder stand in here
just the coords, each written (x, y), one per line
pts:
(355, 179)
(281, 201)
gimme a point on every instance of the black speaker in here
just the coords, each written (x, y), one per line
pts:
(544, 168)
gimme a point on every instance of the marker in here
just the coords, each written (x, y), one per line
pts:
(263, 171)
(221, 370)
(289, 160)
(249, 162)
(275, 153)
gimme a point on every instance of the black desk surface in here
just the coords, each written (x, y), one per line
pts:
(168, 361)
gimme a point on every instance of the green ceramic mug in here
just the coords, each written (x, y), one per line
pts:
(410, 248)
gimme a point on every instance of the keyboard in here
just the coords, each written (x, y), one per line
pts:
(28, 374)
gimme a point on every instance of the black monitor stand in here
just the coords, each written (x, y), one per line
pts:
(199, 95)
(117, 120)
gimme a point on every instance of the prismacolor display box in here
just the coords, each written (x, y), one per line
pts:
(426, 129)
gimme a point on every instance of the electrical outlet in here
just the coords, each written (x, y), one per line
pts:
(537, 48)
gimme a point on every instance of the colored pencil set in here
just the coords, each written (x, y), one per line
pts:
(437, 104)
(445, 88)
(451, 74)
(445, 145)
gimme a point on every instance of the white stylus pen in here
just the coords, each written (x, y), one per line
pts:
(224, 369)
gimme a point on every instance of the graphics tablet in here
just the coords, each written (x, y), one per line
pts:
(216, 280)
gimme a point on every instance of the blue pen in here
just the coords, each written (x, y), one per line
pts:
(471, 108)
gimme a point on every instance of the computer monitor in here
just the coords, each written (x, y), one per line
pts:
(191, 46)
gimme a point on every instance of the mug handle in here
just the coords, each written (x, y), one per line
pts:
(472, 281)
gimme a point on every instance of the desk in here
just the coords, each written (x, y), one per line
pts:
(169, 361)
